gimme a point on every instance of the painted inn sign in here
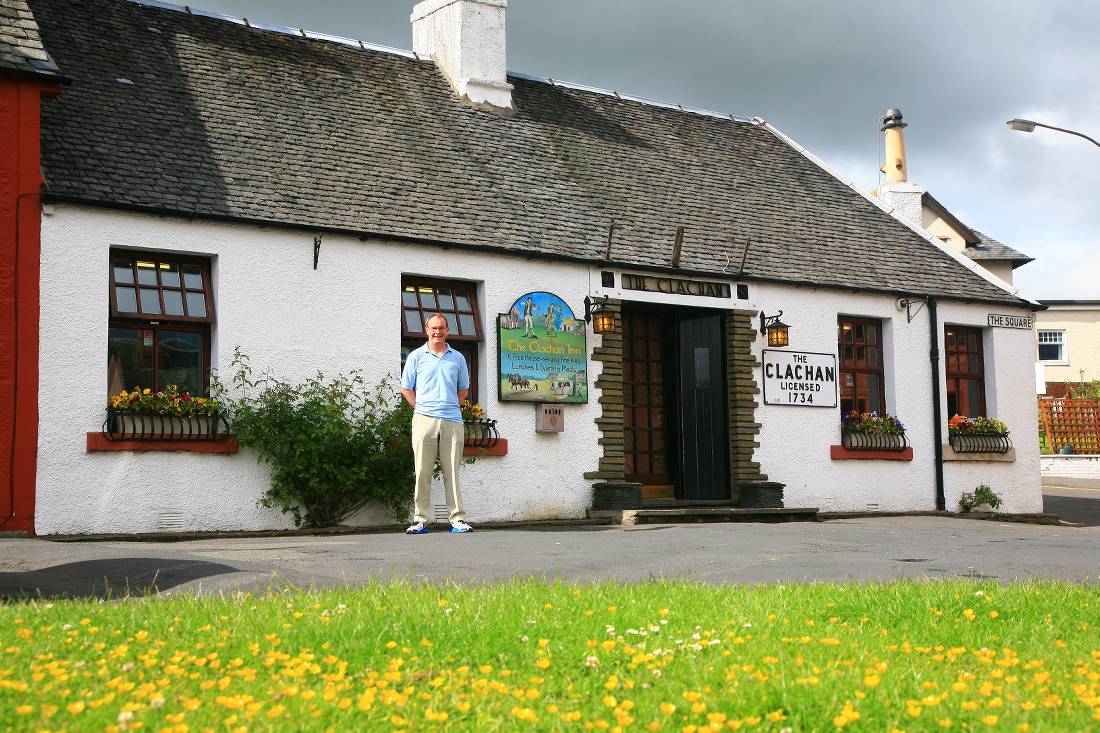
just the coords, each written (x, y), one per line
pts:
(799, 378)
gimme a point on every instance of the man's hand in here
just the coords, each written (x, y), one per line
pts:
(409, 396)
(462, 395)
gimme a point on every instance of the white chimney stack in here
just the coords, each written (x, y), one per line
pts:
(465, 39)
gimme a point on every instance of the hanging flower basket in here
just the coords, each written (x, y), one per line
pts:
(978, 435)
(869, 431)
(128, 425)
(481, 433)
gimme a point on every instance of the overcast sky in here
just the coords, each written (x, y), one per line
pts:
(824, 73)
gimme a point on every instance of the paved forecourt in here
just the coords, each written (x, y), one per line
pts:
(852, 549)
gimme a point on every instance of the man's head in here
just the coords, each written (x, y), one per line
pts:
(436, 328)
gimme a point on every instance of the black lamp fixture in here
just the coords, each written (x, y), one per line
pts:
(601, 317)
(778, 331)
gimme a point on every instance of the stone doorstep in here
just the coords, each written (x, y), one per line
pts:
(693, 514)
(1038, 518)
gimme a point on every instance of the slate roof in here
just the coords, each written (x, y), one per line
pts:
(186, 113)
(989, 248)
(21, 48)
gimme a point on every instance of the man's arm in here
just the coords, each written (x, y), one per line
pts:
(410, 396)
(461, 395)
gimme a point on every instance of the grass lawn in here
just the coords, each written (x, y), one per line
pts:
(906, 656)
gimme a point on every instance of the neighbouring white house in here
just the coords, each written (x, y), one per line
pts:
(210, 183)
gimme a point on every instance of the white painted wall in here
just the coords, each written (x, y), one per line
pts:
(285, 315)
(795, 440)
(345, 315)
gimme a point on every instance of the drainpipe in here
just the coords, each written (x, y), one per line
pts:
(937, 416)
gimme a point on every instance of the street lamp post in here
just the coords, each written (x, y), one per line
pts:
(1030, 125)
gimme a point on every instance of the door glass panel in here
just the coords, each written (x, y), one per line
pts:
(126, 299)
(702, 366)
(169, 275)
(147, 273)
(123, 272)
(196, 305)
(180, 361)
(173, 302)
(150, 300)
(192, 276)
(129, 360)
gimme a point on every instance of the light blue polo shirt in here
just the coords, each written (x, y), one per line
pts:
(436, 381)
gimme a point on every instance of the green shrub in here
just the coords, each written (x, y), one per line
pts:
(982, 495)
(334, 445)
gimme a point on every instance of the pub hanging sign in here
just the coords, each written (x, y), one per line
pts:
(542, 351)
(799, 378)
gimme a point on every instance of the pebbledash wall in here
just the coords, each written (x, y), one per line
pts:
(284, 314)
(345, 315)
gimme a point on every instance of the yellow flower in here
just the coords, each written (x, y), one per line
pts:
(990, 720)
(871, 680)
(667, 708)
(146, 391)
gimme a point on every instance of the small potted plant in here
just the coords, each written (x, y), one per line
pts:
(142, 414)
(978, 435)
(870, 431)
(479, 430)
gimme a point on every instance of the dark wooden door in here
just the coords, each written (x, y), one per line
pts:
(647, 342)
(704, 444)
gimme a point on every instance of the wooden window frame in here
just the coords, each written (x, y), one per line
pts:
(158, 323)
(458, 342)
(843, 367)
(957, 374)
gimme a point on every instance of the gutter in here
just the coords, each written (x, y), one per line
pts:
(510, 252)
(937, 416)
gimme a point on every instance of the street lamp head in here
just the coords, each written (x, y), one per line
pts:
(1021, 125)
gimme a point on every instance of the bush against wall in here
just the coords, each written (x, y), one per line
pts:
(334, 444)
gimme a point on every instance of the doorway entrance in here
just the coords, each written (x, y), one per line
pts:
(675, 423)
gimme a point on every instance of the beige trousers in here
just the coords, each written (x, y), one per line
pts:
(433, 437)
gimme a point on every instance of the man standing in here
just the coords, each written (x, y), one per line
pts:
(529, 309)
(435, 380)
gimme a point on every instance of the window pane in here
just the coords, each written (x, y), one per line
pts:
(408, 297)
(1050, 352)
(129, 359)
(868, 393)
(953, 398)
(196, 305)
(462, 301)
(173, 302)
(452, 323)
(150, 299)
(412, 321)
(180, 363)
(427, 298)
(169, 275)
(147, 273)
(466, 322)
(446, 302)
(124, 273)
(192, 277)
(126, 299)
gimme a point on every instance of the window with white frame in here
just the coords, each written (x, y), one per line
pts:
(1052, 346)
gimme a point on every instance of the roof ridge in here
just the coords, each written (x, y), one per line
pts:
(367, 46)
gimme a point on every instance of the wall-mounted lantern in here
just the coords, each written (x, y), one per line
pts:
(778, 331)
(601, 317)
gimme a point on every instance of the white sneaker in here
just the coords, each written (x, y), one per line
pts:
(459, 526)
(418, 528)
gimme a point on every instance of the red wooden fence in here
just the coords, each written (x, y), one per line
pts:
(1070, 422)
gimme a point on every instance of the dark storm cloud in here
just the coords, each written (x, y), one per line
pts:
(824, 72)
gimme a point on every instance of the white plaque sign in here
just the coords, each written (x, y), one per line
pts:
(996, 320)
(799, 378)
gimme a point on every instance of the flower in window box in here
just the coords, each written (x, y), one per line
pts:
(870, 431)
(962, 425)
(471, 411)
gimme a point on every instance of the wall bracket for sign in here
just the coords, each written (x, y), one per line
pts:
(908, 303)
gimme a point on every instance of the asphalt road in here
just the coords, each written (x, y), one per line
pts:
(860, 549)
(1078, 505)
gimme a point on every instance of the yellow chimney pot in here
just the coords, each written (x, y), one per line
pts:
(894, 167)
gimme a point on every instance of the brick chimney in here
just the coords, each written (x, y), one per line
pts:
(897, 192)
(465, 39)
